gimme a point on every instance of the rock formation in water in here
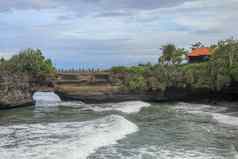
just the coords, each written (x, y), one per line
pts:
(16, 89)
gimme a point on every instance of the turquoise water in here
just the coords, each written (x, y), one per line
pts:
(158, 131)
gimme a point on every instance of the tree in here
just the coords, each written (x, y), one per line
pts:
(136, 83)
(32, 62)
(2, 60)
(226, 53)
(171, 55)
(167, 54)
(179, 56)
(197, 45)
(224, 62)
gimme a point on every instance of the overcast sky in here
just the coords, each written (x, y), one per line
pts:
(102, 33)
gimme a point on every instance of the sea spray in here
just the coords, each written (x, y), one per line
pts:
(50, 99)
(46, 99)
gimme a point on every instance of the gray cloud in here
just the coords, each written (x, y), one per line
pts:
(68, 29)
(25, 4)
(82, 5)
(114, 14)
(115, 8)
(142, 4)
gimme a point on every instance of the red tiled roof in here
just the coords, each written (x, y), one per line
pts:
(199, 52)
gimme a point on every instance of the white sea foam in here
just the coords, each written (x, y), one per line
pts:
(50, 99)
(73, 140)
(225, 119)
(158, 152)
(199, 107)
(73, 104)
(46, 99)
(125, 107)
(215, 112)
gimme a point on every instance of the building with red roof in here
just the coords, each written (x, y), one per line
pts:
(199, 55)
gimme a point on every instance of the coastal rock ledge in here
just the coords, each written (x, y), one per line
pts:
(16, 90)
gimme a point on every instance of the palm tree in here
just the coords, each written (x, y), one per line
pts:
(171, 55)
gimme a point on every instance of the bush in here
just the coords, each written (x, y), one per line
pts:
(234, 73)
(119, 69)
(137, 70)
(217, 73)
(133, 69)
(29, 61)
(197, 75)
(136, 84)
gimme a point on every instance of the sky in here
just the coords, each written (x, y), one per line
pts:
(105, 33)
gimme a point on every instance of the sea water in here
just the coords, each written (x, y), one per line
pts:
(127, 130)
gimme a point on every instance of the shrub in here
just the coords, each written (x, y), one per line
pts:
(136, 83)
(29, 61)
(234, 73)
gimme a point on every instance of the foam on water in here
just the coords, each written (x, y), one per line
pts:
(46, 99)
(70, 140)
(125, 107)
(215, 112)
(160, 152)
(73, 104)
(199, 108)
(225, 119)
(50, 99)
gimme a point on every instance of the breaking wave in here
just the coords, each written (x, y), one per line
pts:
(125, 107)
(50, 99)
(46, 99)
(73, 140)
(215, 112)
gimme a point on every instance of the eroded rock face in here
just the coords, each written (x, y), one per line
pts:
(15, 90)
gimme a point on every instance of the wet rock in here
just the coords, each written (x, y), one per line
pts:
(16, 89)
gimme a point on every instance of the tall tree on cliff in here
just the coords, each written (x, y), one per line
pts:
(31, 62)
(171, 55)
(224, 63)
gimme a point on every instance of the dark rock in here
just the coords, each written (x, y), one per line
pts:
(16, 89)
(171, 94)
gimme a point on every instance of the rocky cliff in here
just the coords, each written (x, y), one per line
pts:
(69, 88)
(96, 93)
(16, 89)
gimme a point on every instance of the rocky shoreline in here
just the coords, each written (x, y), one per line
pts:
(168, 96)
(17, 91)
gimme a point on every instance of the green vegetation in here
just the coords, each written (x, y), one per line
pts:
(219, 72)
(136, 83)
(29, 61)
(133, 69)
(171, 55)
